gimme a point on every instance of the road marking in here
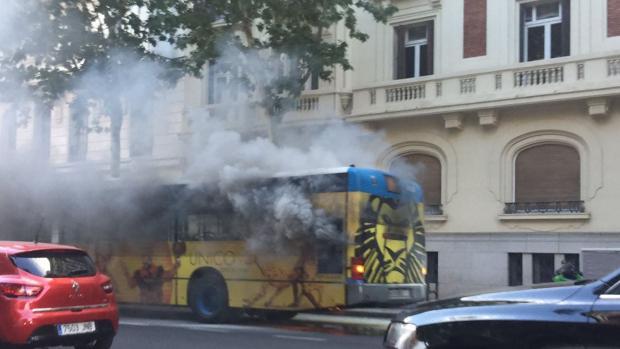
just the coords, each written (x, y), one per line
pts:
(187, 326)
(299, 338)
(343, 320)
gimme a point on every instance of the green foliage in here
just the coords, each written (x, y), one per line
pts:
(295, 28)
(66, 39)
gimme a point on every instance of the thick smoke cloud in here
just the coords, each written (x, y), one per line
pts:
(85, 204)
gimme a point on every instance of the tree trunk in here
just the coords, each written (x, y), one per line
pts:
(116, 123)
(273, 129)
(42, 132)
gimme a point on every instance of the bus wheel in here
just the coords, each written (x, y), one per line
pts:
(208, 297)
(276, 315)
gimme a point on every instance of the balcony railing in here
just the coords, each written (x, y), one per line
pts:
(468, 85)
(549, 207)
(308, 103)
(543, 76)
(613, 66)
(433, 210)
(566, 78)
(405, 93)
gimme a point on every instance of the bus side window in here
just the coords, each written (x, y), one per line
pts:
(236, 227)
(215, 226)
(203, 227)
(330, 252)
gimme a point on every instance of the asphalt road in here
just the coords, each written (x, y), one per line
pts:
(137, 333)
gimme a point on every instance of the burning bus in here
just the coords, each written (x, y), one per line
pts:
(271, 247)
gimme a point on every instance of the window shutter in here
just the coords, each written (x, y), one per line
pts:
(565, 27)
(474, 28)
(547, 173)
(613, 18)
(431, 47)
(426, 170)
(400, 52)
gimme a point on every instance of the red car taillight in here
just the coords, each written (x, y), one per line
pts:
(107, 287)
(357, 268)
(18, 290)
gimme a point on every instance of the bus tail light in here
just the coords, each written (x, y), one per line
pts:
(357, 268)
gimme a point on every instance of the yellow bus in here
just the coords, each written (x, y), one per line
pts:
(196, 252)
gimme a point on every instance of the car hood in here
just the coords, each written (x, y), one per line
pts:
(533, 296)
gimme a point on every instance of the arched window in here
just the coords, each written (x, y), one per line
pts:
(548, 178)
(426, 170)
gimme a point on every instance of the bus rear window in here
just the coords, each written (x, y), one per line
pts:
(55, 264)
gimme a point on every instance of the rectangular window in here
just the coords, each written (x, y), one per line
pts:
(515, 269)
(543, 267)
(414, 50)
(42, 130)
(573, 258)
(221, 85)
(545, 30)
(330, 253)
(432, 267)
(140, 134)
(311, 84)
(314, 81)
(211, 225)
(78, 137)
(204, 227)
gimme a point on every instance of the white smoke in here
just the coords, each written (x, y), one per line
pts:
(11, 23)
(281, 215)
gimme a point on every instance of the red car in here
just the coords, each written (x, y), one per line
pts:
(53, 295)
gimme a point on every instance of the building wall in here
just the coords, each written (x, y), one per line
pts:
(477, 133)
(478, 262)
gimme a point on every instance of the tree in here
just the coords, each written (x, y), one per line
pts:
(275, 28)
(68, 39)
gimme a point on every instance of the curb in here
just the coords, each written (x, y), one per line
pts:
(363, 321)
(358, 325)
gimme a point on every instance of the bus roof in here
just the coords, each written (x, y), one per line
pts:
(375, 182)
(312, 172)
(367, 180)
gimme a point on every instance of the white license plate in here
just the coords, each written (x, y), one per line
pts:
(400, 293)
(77, 328)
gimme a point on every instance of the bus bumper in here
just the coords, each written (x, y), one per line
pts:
(385, 293)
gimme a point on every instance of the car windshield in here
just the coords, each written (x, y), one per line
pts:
(55, 264)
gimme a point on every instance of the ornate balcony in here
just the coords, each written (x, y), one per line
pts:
(433, 210)
(550, 207)
(559, 79)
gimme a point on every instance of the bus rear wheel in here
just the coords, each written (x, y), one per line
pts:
(208, 297)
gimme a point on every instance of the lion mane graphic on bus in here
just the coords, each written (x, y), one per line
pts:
(390, 240)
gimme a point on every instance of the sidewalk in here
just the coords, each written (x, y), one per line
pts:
(365, 320)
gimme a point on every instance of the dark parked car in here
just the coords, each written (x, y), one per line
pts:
(577, 316)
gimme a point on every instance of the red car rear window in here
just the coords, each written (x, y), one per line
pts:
(55, 264)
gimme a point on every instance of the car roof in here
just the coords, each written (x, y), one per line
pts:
(14, 247)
